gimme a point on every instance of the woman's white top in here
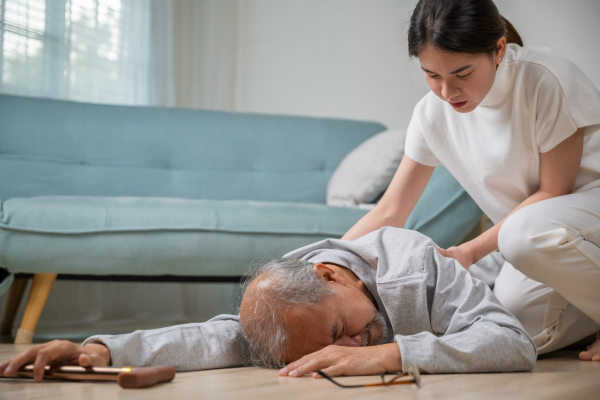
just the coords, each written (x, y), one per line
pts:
(538, 99)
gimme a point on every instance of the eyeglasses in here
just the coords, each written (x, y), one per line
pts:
(413, 372)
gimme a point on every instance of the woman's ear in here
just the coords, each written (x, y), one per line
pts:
(500, 50)
(328, 274)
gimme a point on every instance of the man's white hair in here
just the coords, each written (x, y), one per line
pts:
(279, 284)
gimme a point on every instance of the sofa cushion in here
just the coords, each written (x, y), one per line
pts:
(158, 236)
(366, 172)
(171, 236)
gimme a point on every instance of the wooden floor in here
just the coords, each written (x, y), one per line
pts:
(557, 376)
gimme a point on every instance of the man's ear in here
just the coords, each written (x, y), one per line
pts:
(328, 274)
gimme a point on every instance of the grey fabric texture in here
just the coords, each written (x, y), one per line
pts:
(443, 319)
(366, 172)
(488, 268)
(190, 347)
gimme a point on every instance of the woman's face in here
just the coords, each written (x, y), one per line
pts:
(461, 79)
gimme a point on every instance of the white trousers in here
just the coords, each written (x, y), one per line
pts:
(551, 278)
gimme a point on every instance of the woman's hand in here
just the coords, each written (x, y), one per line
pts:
(461, 254)
(57, 352)
(343, 360)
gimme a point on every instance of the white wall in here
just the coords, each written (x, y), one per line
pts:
(348, 58)
(342, 58)
(571, 28)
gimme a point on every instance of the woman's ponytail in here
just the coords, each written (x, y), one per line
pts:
(512, 36)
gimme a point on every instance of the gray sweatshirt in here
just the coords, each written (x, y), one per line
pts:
(443, 319)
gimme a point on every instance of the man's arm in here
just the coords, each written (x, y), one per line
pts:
(213, 344)
(473, 332)
(191, 347)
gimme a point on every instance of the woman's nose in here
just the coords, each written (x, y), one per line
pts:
(448, 92)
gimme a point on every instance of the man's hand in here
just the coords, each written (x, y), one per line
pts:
(461, 254)
(342, 360)
(57, 352)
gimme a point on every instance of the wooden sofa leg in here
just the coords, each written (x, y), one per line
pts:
(40, 289)
(13, 301)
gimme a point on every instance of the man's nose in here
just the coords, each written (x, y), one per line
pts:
(350, 341)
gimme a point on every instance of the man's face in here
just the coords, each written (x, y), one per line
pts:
(346, 319)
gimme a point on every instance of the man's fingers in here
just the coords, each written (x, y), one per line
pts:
(310, 366)
(17, 362)
(292, 366)
(58, 350)
(334, 370)
(3, 366)
(96, 355)
(85, 360)
(91, 360)
(42, 359)
(41, 355)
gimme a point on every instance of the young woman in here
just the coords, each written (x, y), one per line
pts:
(519, 128)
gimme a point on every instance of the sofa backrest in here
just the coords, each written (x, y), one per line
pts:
(55, 147)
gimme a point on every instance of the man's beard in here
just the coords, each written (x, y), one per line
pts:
(378, 322)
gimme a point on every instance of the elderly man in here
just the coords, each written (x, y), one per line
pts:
(366, 306)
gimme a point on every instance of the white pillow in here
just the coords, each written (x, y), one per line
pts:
(366, 172)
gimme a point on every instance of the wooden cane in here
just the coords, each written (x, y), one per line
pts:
(126, 377)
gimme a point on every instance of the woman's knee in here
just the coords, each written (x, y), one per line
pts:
(513, 239)
(516, 237)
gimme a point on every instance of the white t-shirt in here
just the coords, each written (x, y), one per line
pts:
(538, 99)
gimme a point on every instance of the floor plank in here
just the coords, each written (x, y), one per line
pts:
(559, 375)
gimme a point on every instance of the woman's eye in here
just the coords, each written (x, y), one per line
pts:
(464, 76)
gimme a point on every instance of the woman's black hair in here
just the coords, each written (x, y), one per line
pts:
(459, 26)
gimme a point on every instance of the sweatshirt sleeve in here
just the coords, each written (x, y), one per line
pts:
(472, 332)
(190, 347)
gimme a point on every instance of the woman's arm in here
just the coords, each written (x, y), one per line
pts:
(558, 172)
(398, 200)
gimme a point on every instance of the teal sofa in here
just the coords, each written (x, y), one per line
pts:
(149, 193)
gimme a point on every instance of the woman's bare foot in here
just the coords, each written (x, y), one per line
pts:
(593, 351)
